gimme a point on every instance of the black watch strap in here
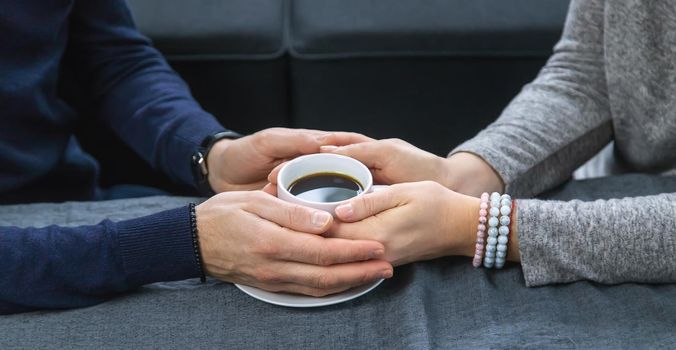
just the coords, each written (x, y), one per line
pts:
(200, 170)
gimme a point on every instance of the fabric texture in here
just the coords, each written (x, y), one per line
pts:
(213, 29)
(325, 29)
(440, 304)
(610, 78)
(132, 88)
(57, 267)
(136, 94)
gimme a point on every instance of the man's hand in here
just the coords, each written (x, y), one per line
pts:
(244, 164)
(256, 239)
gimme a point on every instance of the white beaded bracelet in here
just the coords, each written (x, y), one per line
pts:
(503, 231)
(499, 211)
(493, 223)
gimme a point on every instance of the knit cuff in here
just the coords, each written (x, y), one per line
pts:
(157, 247)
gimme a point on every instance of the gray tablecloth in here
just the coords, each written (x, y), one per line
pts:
(439, 304)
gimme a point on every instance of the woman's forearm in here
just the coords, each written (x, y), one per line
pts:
(607, 241)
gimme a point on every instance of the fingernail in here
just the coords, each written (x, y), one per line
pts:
(320, 218)
(322, 137)
(377, 253)
(386, 274)
(328, 148)
(344, 211)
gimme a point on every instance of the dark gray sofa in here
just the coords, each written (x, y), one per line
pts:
(431, 72)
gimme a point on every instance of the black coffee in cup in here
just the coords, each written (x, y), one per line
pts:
(325, 187)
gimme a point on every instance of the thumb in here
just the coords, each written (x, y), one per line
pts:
(272, 177)
(362, 207)
(270, 189)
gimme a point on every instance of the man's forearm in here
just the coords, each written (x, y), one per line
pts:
(136, 91)
(57, 267)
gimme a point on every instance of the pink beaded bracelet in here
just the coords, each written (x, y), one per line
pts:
(481, 231)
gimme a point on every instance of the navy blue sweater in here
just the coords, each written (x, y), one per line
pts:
(134, 92)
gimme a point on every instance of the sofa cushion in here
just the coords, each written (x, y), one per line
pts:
(349, 28)
(213, 28)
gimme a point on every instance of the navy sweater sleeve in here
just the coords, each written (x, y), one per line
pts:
(150, 108)
(135, 91)
(59, 267)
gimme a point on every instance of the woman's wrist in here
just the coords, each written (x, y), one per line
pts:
(473, 205)
(469, 174)
(463, 214)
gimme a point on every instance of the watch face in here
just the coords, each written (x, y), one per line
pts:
(199, 162)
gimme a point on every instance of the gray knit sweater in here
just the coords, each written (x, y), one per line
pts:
(611, 77)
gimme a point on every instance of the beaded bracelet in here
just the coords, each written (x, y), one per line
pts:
(503, 230)
(481, 231)
(493, 223)
(494, 218)
(196, 242)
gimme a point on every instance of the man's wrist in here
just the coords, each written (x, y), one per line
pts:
(214, 161)
(202, 157)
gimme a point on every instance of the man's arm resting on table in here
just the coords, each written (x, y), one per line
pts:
(245, 237)
(65, 267)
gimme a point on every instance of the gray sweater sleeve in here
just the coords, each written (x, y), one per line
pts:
(558, 121)
(608, 241)
(554, 125)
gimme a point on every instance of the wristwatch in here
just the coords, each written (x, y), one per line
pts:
(200, 170)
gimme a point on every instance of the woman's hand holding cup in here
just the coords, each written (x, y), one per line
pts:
(414, 221)
(395, 161)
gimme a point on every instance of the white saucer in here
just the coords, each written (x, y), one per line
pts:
(295, 300)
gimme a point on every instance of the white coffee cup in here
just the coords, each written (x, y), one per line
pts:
(322, 163)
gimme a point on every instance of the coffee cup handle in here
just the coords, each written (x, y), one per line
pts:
(376, 188)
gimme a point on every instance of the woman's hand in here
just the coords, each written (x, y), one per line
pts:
(414, 221)
(395, 161)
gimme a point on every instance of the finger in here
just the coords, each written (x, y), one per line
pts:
(331, 279)
(337, 138)
(270, 189)
(290, 143)
(369, 153)
(292, 288)
(293, 216)
(244, 187)
(317, 250)
(295, 288)
(361, 207)
(340, 138)
(272, 177)
(360, 230)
